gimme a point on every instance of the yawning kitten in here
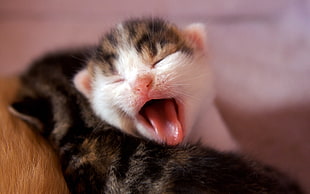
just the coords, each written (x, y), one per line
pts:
(97, 158)
(150, 78)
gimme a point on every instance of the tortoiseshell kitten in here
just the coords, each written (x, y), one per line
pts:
(151, 78)
(96, 157)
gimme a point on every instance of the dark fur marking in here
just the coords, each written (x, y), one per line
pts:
(131, 26)
(147, 43)
(162, 43)
(36, 108)
(142, 41)
(156, 26)
(106, 58)
(147, 167)
(112, 39)
(187, 50)
(126, 152)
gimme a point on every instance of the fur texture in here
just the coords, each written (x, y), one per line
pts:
(151, 78)
(27, 162)
(98, 158)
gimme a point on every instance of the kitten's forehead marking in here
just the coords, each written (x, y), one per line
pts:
(137, 42)
(148, 35)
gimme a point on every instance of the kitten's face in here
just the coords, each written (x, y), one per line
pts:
(148, 78)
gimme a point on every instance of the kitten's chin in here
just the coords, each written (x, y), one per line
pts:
(160, 120)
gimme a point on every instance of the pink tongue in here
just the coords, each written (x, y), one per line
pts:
(162, 115)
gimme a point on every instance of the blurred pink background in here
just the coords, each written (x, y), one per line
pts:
(260, 51)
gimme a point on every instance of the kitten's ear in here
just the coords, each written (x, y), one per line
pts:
(82, 82)
(34, 111)
(196, 34)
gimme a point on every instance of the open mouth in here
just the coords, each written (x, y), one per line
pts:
(162, 116)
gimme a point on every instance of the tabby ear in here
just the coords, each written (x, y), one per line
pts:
(82, 82)
(196, 34)
(33, 111)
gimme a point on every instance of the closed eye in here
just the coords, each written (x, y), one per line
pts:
(118, 80)
(154, 64)
(164, 57)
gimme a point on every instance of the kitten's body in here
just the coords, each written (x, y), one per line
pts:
(108, 161)
(98, 158)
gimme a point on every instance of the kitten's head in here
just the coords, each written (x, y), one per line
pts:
(148, 77)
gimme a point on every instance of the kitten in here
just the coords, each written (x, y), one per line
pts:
(98, 158)
(151, 78)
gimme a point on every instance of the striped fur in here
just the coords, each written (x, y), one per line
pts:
(96, 157)
(173, 58)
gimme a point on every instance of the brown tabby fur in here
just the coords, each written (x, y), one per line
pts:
(98, 158)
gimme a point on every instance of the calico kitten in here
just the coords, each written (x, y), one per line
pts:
(98, 158)
(151, 78)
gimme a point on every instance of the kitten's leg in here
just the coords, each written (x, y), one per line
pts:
(212, 131)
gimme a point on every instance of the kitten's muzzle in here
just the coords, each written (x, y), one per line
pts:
(142, 84)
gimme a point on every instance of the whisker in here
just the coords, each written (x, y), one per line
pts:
(181, 84)
(190, 96)
(180, 80)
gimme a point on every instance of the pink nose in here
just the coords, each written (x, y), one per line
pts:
(143, 84)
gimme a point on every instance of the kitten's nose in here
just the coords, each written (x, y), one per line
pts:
(142, 84)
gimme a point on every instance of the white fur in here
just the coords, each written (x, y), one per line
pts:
(186, 79)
